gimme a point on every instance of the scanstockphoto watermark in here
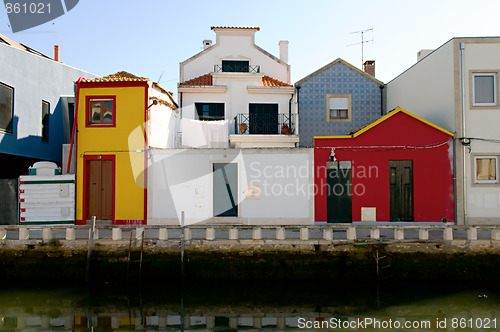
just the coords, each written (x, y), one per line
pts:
(26, 14)
(297, 180)
(404, 324)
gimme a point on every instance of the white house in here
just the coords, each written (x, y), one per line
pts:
(236, 81)
(456, 87)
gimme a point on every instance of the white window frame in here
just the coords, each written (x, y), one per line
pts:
(476, 180)
(495, 88)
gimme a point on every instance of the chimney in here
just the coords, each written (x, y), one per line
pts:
(56, 53)
(207, 44)
(369, 67)
(423, 53)
(284, 51)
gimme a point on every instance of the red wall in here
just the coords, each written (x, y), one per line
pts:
(432, 168)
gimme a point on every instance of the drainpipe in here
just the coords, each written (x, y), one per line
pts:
(464, 173)
(290, 112)
(297, 124)
(382, 99)
(74, 123)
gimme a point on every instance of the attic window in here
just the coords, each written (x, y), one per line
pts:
(235, 66)
(101, 111)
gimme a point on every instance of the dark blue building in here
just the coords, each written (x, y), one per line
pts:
(337, 99)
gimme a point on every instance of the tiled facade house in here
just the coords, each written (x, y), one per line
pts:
(337, 99)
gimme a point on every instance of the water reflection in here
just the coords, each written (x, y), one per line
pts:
(239, 307)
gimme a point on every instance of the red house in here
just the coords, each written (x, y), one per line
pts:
(397, 168)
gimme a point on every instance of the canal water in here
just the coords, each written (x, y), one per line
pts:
(248, 306)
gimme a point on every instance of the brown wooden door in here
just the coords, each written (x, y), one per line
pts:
(401, 190)
(100, 189)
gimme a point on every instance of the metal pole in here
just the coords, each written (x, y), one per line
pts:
(182, 244)
(89, 253)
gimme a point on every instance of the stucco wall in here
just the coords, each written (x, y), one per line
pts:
(34, 79)
(337, 79)
(483, 200)
(427, 88)
(181, 180)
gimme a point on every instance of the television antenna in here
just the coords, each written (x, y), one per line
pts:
(363, 41)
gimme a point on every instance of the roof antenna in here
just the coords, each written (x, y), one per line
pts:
(160, 77)
(363, 41)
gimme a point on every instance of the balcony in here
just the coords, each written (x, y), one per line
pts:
(264, 124)
(257, 130)
(237, 68)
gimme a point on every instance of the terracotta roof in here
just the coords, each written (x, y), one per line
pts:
(121, 76)
(164, 102)
(241, 28)
(269, 81)
(199, 81)
(206, 80)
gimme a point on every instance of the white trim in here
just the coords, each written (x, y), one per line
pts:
(475, 169)
(287, 90)
(205, 88)
(494, 89)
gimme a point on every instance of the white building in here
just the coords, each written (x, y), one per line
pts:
(237, 81)
(456, 87)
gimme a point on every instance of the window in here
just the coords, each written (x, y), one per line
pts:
(101, 111)
(338, 108)
(486, 169)
(6, 108)
(210, 111)
(484, 89)
(45, 121)
(235, 66)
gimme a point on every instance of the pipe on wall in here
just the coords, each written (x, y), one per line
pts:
(464, 161)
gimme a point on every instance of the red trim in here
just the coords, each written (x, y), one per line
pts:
(87, 112)
(22, 190)
(74, 126)
(146, 100)
(112, 84)
(22, 200)
(23, 219)
(86, 158)
(23, 209)
(21, 182)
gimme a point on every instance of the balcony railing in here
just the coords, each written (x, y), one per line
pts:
(237, 69)
(264, 124)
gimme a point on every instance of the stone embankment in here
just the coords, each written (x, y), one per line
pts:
(340, 252)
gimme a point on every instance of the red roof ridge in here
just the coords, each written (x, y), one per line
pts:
(202, 80)
(241, 28)
(269, 81)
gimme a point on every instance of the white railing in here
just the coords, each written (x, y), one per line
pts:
(249, 234)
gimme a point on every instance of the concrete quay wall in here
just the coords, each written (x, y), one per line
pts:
(65, 261)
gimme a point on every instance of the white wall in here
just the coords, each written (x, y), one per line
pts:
(181, 180)
(234, 45)
(35, 78)
(483, 203)
(427, 88)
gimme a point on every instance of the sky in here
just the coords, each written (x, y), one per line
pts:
(149, 38)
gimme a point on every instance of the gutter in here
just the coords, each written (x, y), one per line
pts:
(74, 123)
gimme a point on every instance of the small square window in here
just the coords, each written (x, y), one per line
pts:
(484, 89)
(338, 108)
(486, 169)
(101, 111)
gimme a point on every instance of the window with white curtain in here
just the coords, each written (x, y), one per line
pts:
(484, 89)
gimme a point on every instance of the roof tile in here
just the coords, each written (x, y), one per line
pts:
(269, 81)
(199, 81)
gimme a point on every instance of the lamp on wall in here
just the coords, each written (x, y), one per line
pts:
(332, 155)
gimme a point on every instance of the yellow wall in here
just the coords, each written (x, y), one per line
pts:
(123, 141)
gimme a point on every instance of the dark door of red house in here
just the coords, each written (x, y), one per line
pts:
(100, 189)
(225, 187)
(263, 118)
(401, 190)
(339, 192)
